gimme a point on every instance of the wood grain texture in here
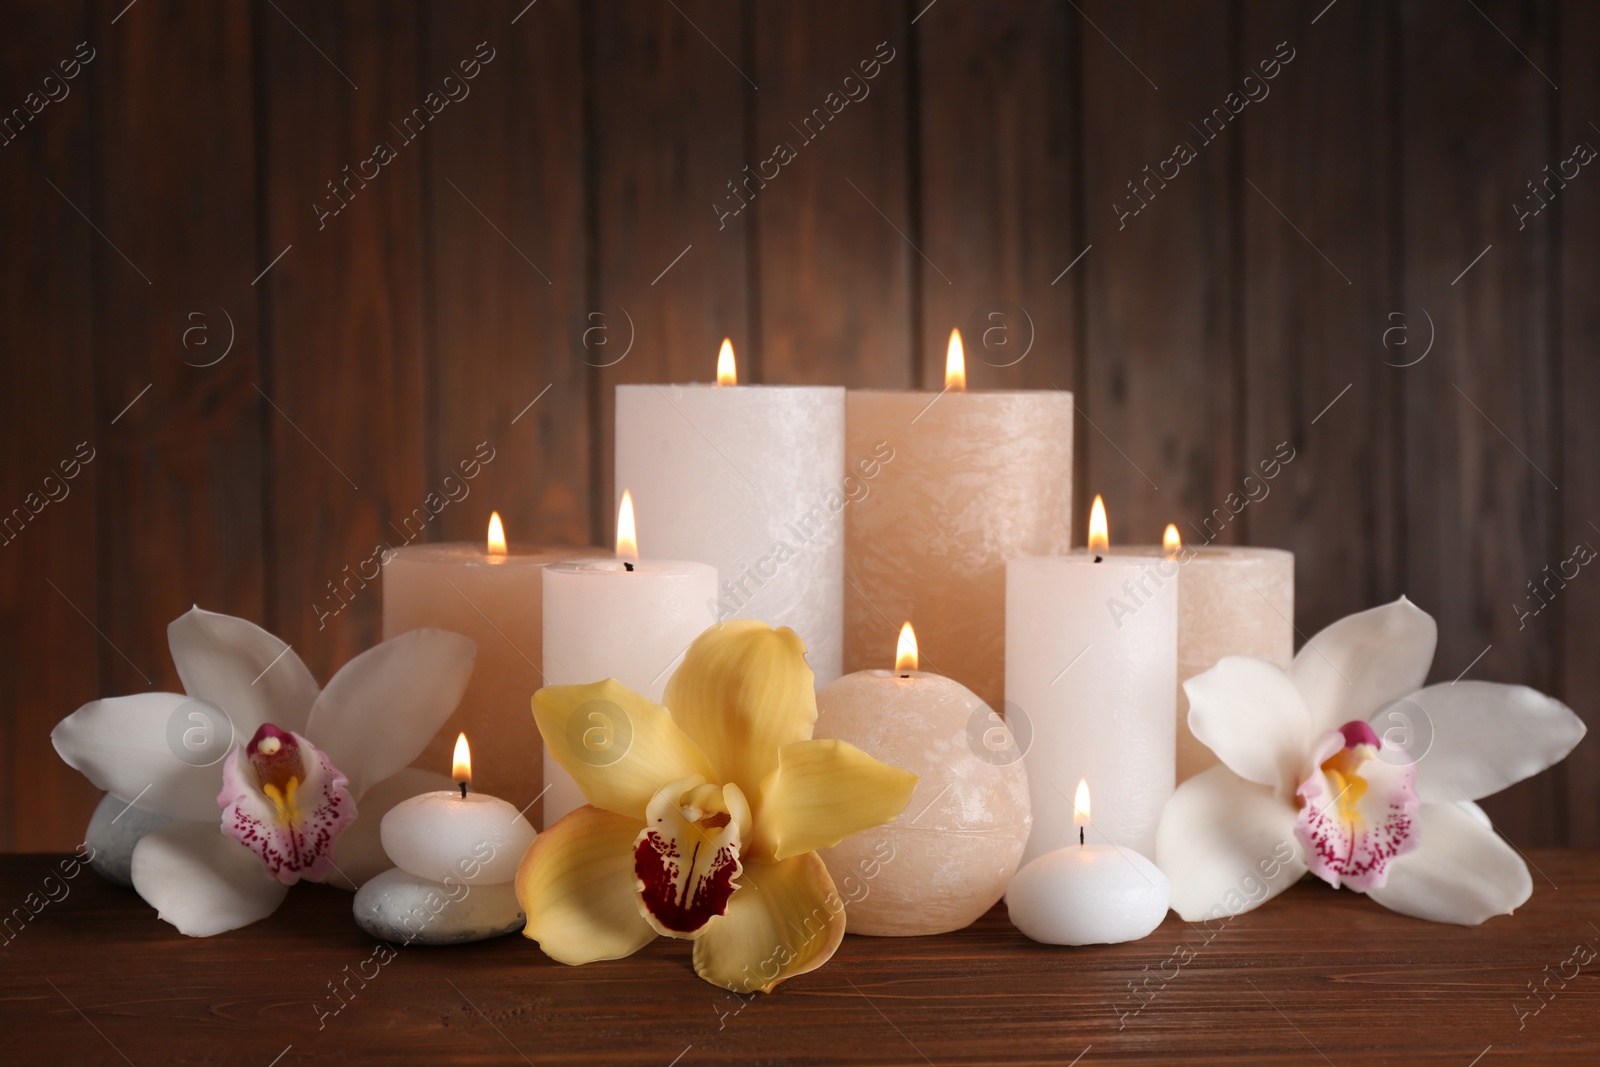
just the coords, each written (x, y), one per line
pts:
(1320, 344)
(49, 563)
(1316, 975)
(1480, 413)
(1159, 386)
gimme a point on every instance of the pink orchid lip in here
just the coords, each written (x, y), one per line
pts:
(284, 800)
(1357, 812)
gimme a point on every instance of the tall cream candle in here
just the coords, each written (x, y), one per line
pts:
(973, 479)
(749, 479)
(1092, 662)
(491, 593)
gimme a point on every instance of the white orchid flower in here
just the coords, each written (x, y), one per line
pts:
(272, 810)
(1309, 779)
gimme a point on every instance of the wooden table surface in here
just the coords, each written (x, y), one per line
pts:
(1316, 976)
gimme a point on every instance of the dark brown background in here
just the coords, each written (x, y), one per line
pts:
(1253, 293)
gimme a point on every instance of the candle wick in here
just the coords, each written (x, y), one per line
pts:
(1080, 829)
(464, 793)
(627, 566)
(1098, 559)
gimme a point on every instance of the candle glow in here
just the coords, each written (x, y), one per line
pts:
(1080, 803)
(461, 764)
(1099, 535)
(1171, 542)
(955, 365)
(727, 370)
(497, 537)
(905, 653)
(627, 538)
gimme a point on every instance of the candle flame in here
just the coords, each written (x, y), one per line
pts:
(1170, 541)
(461, 764)
(1099, 534)
(627, 538)
(955, 365)
(727, 370)
(497, 535)
(1080, 804)
(905, 652)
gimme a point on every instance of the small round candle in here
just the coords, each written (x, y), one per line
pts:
(1088, 894)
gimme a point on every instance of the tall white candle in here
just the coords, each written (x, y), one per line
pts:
(750, 480)
(624, 618)
(1092, 663)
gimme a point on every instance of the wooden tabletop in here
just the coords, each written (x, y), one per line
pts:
(1316, 976)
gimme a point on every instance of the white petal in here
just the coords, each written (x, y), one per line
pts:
(358, 855)
(251, 675)
(1461, 873)
(383, 707)
(1362, 662)
(1251, 715)
(1226, 845)
(202, 882)
(125, 745)
(1484, 737)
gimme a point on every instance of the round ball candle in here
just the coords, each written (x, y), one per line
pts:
(946, 859)
(626, 618)
(975, 479)
(490, 593)
(1088, 894)
(748, 479)
(1092, 663)
(1232, 601)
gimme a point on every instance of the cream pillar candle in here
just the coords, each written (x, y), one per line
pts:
(626, 618)
(947, 858)
(974, 479)
(490, 593)
(749, 479)
(1232, 601)
(1096, 680)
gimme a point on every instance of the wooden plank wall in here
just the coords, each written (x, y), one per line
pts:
(580, 213)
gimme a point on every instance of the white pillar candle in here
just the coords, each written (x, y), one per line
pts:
(1232, 601)
(973, 479)
(1091, 661)
(627, 618)
(750, 480)
(490, 593)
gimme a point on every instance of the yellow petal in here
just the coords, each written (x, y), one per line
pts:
(785, 920)
(743, 691)
(576, 886)
(821, 793)
(619, 747)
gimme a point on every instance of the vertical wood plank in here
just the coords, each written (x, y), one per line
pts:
(834, 223)
(1160, 380)
(1320, 348)
(505, 271)
(1481, 500)
(343, 396)
(998, 190)
(669, 104)
(48, 537)
(1578, 237)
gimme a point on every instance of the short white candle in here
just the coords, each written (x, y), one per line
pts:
(1088, 894)
(627, 618)
(750, 480)
(1091, 662)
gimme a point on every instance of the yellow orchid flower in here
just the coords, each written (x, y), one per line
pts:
(703, 821)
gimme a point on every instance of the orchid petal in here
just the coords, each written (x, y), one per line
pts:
(201, 881)
(383, 707)
(821, 793)
(290, 816)
(786, 921)
(618, 746)
(1486, 736)
(743, 691)
(576, 885)
(1358, 812)
(1364, 661)
(1463, 873)
(237, 666)
(122, 745)
(685, 868)
(1251, 715)
(1226, 845)
(358, 854)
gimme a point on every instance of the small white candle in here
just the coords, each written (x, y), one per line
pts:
(626, 618)
(1091, 661)
(1088, 894)
(750, 480)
